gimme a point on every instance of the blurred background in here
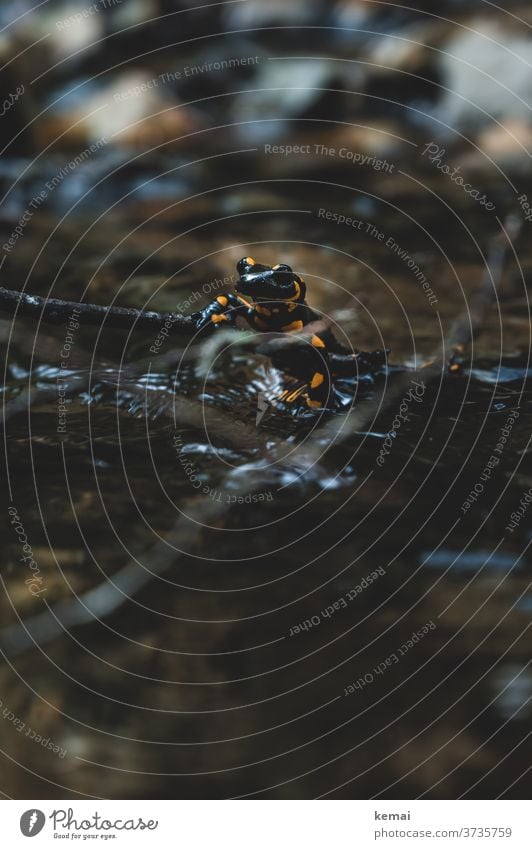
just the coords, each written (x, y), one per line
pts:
(146, 146)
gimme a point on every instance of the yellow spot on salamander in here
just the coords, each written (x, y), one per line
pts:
(317, 342)
(311, 403)
(317, 380)
(250, 260)
(216, 318)
(260, 324)
(222, 300)
(295, 325)
(263, 310)
(297, 292)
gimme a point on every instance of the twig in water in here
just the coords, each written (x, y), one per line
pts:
(57, 311)
(104, 599)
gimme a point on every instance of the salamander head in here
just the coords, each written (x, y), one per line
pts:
(269, 283)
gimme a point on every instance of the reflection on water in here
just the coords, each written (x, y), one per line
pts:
(203, 653)
(227, 533)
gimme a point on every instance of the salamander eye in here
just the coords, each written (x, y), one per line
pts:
(284, 276)
(245, 264)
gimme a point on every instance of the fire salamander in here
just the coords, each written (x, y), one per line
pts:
(272, 299)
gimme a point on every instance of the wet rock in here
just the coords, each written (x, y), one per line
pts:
(285, 89)
(508, 145)
(487, 71)
(256, 13)
(471, 561)
(407, 48)
(134, 13)
(135, 110)
(512, 685)
(351, 14)
(71, 29)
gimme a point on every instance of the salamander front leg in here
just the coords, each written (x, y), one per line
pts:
(222, 312)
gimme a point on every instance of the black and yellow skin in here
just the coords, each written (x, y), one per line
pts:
(272, 299)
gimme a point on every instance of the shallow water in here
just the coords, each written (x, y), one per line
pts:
(248, 589)
(200, 661)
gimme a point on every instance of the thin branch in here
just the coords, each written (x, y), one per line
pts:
(58, 311)
(104, 599)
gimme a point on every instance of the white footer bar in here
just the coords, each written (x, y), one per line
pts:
(265, 824)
